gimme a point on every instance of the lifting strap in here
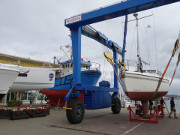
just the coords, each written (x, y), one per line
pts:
(176, 46)
(109, 58)
(175, 69)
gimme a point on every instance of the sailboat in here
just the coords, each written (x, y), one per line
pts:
(18, 77)
(142, 85)
(8, 74)
(34, 78)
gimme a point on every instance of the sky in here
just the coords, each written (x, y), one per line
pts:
(35, 29)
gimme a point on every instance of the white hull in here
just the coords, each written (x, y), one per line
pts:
(34, 79)
(7, 77)
(142, 86)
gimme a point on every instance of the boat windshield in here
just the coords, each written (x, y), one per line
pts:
(153, 72)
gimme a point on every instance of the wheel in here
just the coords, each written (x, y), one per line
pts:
(116, 105)
(76, 114)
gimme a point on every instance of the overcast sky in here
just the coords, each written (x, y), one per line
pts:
(35, 29)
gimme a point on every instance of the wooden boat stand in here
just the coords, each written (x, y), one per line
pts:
(138, 116)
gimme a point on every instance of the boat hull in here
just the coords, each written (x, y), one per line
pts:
(142, 86)
(7, 77)
(34, 79)
(62, 86)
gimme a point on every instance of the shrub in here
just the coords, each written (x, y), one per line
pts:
(13, 103)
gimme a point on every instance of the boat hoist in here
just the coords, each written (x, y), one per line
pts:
(78, 25)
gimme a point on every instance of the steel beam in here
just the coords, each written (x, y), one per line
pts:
(76, 47)
(113, 11)
(101, 38)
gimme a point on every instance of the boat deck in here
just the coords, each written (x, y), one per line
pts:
(96, 122)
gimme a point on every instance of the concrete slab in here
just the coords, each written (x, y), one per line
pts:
(95, 122)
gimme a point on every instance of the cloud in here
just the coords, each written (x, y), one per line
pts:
(35, 29)
(174, 89)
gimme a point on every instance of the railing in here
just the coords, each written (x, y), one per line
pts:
(95, 66)
(132, 66)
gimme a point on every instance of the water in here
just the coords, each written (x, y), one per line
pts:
(177, 105)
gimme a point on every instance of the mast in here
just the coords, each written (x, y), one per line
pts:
(139, 64)
(124, 41)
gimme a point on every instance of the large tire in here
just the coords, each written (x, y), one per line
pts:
(116, 105)
(76, 114)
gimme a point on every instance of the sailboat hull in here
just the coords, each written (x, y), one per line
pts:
(7, 77)
(34, 79)
(142, 86)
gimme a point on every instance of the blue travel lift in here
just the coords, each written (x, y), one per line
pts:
(99, 97)
(94, 97)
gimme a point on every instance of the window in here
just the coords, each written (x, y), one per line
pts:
(82, 65)
(24, 95)
(22, 75)
(31, 95)
(40, 96)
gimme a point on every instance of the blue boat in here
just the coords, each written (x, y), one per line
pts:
(63, 82)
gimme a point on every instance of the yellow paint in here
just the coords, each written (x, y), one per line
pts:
(8, 59)
(67, 108)
(109, 58)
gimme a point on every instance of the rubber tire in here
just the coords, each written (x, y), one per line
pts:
(116, 105)
(71, 114)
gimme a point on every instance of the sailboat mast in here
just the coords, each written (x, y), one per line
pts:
(138, 47)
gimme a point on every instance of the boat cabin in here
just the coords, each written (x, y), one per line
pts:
(153, 72)
(67, 67)
(69, 64)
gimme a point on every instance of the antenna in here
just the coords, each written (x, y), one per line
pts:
(54, 60)
(61, 48)
(71, 46)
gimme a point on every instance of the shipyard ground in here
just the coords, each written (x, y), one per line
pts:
(96, 122)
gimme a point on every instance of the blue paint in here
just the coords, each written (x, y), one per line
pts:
(76, 47)
(117, 10)
(97, 100)
(51, 75)
(95, 88)
(68, 96)
(104, 84)
(88, 78)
